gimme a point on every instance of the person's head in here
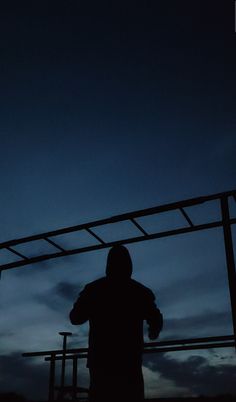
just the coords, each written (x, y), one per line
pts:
(119, 263)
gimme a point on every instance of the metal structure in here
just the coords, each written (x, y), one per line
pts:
(64, 354)
(133, 217)
(92, 228)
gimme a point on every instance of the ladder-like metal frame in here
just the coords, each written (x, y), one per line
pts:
(225, 222)
(131, 217)
(154, 347)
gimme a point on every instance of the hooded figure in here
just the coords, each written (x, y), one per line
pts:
(116, 307)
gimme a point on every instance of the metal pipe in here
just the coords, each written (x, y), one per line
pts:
(110, 244)
(191, 347)
(80, 351)
(229, 251)
(121, 217)
(166, 349)
(74, 376)
(63, 363)
(51, 384)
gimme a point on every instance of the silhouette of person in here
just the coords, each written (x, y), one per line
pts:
(116, 307)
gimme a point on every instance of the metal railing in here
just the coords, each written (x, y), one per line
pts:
(225, 222)
(65, 354)
(131, 217)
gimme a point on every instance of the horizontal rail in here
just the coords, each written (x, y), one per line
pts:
(191, 347)
(205, 341)
(67, 357)
(128, 217)
(54, 352)
(121, 217)
(158, 350)
(130, 240)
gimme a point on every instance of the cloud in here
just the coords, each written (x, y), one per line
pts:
(164, 376)
(157, 386)
(67, 290)
(22, 376)
(60, 297)
(8, 334)
(196, 374)
(209, 323)
(194, 287)
(29, 376)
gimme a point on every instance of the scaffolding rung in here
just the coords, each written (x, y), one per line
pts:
(120, 218)
(17, 253)
(54, 244)
(127, 217)
(95, 235)
(186, 217)
(128, 240)
(67, 357)
(139, 226)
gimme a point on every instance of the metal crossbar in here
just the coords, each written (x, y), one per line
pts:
(154, 347)
(64, 354)
(149, 347)
(127, 217)
(225, 222)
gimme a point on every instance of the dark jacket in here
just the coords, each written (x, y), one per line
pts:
(116, 311)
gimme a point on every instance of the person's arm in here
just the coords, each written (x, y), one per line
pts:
(153, 317)
(80, 312)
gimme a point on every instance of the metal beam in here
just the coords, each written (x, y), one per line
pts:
(178, 206)
(68, 357)
(121, 217)
(51, 384)
(139, 226)
(161, 349)
(158, 350)
(210, 339)
(184, 213)
(54, 244)
(136, 239)
(191, 347)
(56, 352)
(95, 235)
(205, 339)
(74, 376)
(229, 251)
(17, 253)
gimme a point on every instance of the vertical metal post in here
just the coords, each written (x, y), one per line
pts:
(74, 376)
(63, 362)
(51, 379)
(229, 250)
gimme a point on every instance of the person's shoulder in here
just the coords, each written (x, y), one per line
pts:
(144, 290)
(98, 283)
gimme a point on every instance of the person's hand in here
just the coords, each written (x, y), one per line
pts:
(153, 334)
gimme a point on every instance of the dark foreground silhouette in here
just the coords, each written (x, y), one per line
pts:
(116, 307)
(13, 397)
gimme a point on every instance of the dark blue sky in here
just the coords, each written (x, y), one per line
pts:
(105, 110)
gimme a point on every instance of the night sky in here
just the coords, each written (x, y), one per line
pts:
(107, 109)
